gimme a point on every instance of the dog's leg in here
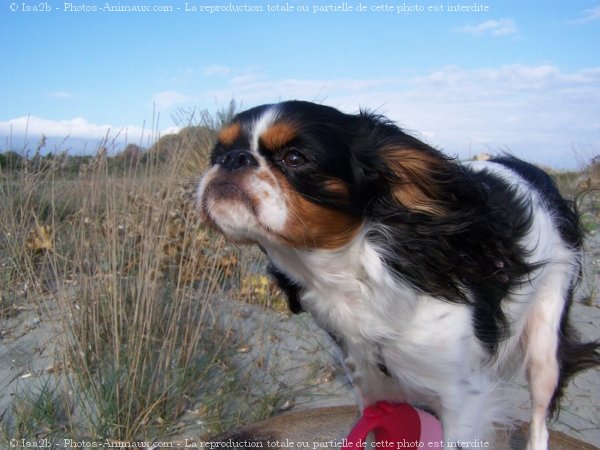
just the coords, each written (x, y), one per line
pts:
(542, 360)
(464, 413)
(542, 371)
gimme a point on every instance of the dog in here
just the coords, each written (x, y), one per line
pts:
(438, 280)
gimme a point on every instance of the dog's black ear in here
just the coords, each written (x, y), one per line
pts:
(399, 170)
(420, 178)
(291, 289)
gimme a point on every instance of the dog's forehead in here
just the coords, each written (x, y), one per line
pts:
(265, 130)
(261, 125)
(247, 128)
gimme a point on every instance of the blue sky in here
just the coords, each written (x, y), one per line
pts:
(521, 76)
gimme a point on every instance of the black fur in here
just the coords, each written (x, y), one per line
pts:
(290, 289)
(471, 255)
(564, 211)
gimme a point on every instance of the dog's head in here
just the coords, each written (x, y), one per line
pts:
(309, 176)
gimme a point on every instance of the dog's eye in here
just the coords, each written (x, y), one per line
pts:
(294, 158)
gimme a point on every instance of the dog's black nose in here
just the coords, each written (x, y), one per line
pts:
(236, 159)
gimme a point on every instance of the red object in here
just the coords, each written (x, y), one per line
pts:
(393, 424)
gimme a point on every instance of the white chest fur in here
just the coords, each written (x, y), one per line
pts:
(351, 294)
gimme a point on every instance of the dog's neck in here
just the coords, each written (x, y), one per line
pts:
(319, 269)
(353, 277)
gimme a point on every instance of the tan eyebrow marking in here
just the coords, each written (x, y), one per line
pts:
(277, 136)
(229, 134)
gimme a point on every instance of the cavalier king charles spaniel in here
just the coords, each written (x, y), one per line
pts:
(437, 280)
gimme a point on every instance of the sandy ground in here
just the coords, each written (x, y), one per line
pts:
(29, 342)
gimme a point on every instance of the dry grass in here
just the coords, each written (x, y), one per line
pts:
(120, 253)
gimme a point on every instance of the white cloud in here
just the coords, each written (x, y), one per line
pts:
(254, 86)
(587, 15)
(216, 69)
(500, 27)
(32, 125)
(32, 128)
(168, 99)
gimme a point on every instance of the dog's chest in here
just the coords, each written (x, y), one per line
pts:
(353, 295)
(357, 308)
(344, 290)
